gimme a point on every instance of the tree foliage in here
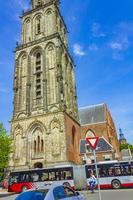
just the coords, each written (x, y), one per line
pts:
(126, 146)
(5, 144)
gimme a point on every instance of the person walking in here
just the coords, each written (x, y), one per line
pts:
(92, 182)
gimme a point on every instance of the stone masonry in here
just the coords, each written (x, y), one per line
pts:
(44, 127)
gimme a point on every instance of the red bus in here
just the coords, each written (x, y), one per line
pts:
(40, 178)
(113, 174)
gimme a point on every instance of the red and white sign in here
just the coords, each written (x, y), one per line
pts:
(92, 142)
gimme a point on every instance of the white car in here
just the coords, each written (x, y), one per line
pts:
(59, 192)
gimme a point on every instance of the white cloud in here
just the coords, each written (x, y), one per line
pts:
(121, 40)
(115, 45)
(18, 6)
(96, 30)
(78, 50)
(23, 4)
(93, 47)
(120, 44)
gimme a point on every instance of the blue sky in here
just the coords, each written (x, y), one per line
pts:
(101, 43)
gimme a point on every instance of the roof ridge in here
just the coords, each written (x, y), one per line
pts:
(91, 106)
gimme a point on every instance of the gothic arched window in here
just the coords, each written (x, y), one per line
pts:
(38, 75)
(49, 22)
(36, 146)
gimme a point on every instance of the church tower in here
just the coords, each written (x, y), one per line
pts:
(44, 127)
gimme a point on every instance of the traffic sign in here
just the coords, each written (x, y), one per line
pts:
(92, 142)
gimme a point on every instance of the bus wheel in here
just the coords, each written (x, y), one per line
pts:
(66, 184)
(24, 188)
(116, 184)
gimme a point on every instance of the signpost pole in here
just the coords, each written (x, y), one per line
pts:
(99, 191)
(92, 140)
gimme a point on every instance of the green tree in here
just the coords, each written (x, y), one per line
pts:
(5, 145)
(126, 146)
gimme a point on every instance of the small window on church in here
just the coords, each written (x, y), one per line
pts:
(38, 81)
(38, 94)
(38, 76)
(35, 146)
(38, 143)
(38, 56)
(38, 69)
(39, 2)
(42, 145)
(38, 28)
(38, 87)
(38, 25)
(73, 135)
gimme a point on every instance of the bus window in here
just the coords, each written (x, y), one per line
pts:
(90, 172)
(59, 175)
(103, 172)
(51, 176)
(14, 178)
(68, 175)
(118, 171)
(34, 177)
(111, 171)
(45, 176)
(24, 177)
(125, 170)
(131, 170)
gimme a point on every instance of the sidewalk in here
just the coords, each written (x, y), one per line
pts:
(3, 191)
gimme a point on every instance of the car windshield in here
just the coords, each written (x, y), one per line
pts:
(32, 195)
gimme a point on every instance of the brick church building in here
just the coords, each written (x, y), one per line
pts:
(97, 118)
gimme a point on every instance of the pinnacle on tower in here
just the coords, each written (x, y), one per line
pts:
(38, 3)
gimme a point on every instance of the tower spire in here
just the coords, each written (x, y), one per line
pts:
(122, 138)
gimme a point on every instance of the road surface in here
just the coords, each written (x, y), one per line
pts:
(126, 194)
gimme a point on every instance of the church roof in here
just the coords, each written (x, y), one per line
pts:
(102, 146)
(92, 114)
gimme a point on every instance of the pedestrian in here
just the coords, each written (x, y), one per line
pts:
(92, 182)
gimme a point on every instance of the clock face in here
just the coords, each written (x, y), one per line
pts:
(90, 134)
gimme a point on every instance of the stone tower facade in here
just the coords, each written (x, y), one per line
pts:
(44, 127)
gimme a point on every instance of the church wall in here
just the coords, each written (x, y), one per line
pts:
(113, 138)
(106, 130)
(52, 132)
(72, 139)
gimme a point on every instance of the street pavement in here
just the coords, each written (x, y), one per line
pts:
(126, 194)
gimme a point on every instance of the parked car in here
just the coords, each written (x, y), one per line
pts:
(59, 192)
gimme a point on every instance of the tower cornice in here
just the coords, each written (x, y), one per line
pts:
(22, 47)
